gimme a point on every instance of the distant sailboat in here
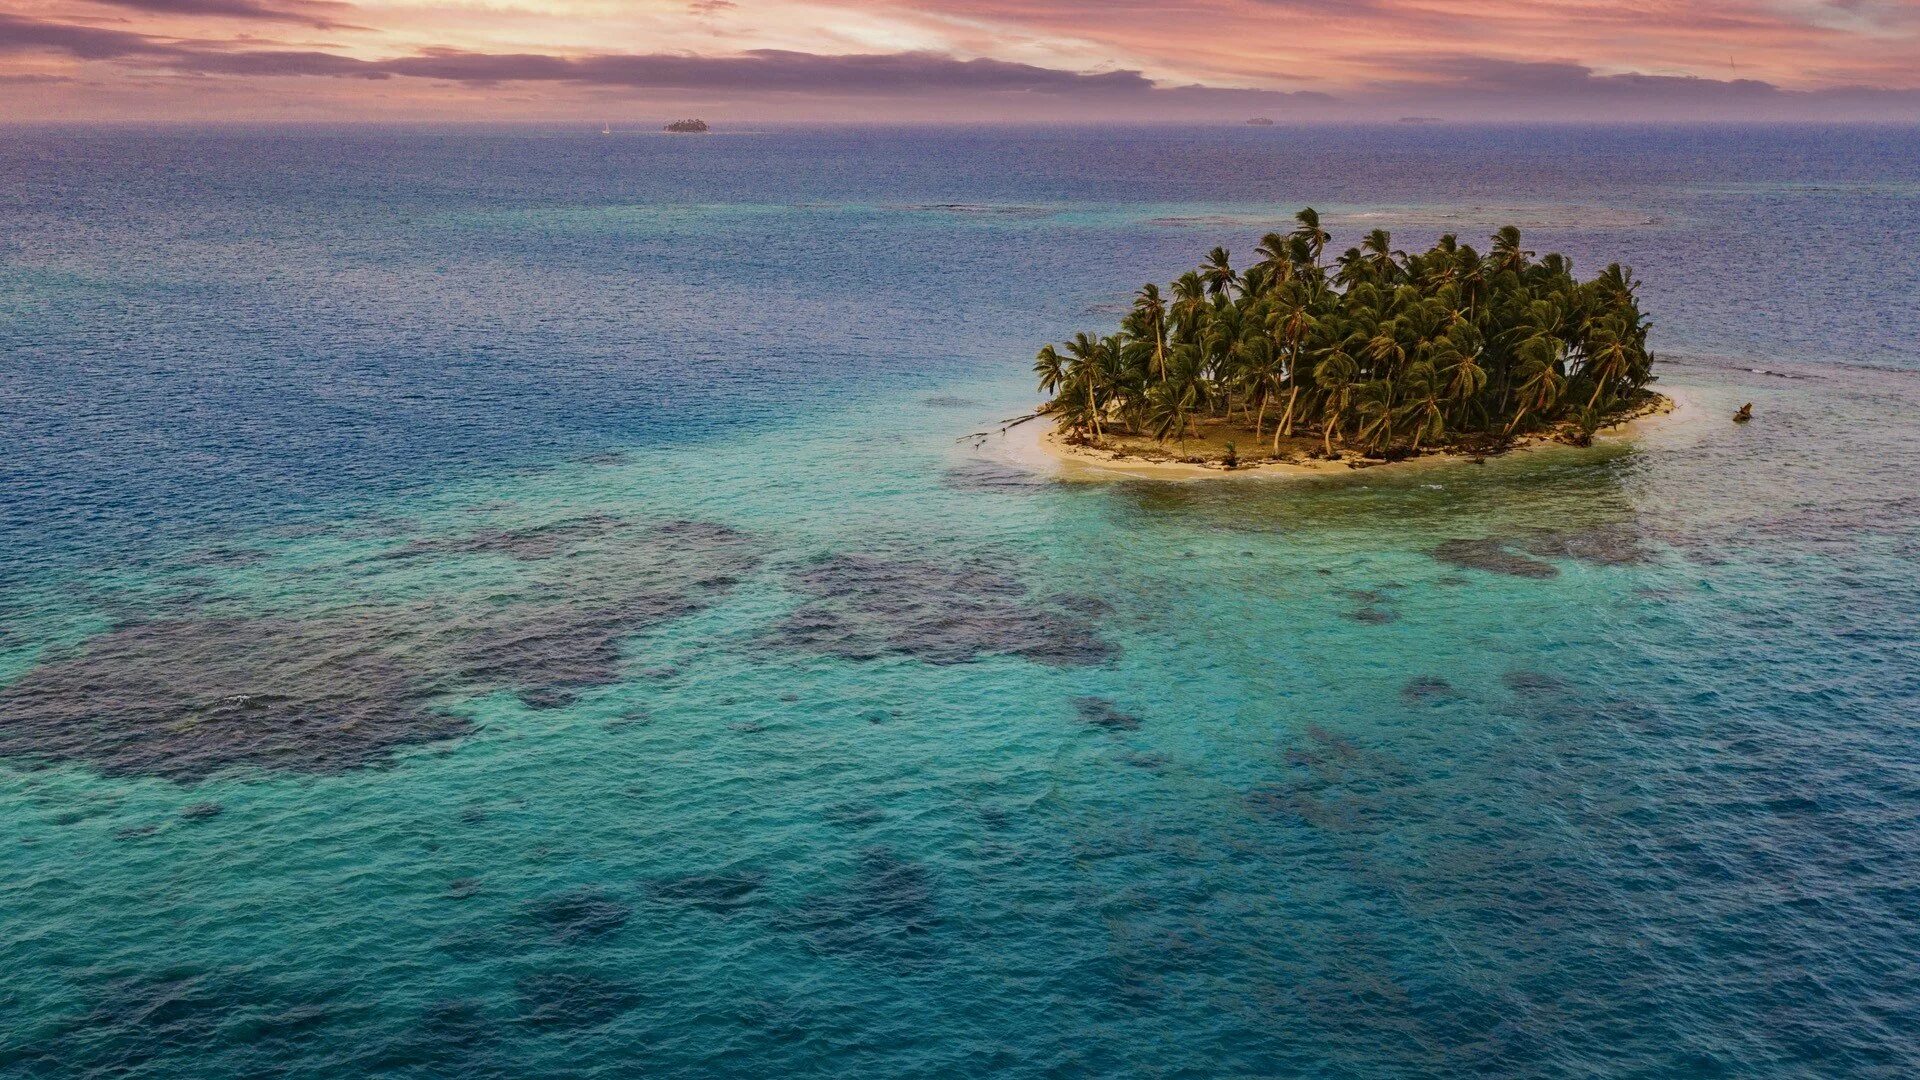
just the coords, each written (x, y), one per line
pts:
(605, 129)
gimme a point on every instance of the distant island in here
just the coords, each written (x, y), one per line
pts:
(1420, 119)
(1375, 356)
(1260, 121)
(689, 126)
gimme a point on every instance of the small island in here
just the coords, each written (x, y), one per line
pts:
(689, 127)
(1260, 121)
(1374, 356)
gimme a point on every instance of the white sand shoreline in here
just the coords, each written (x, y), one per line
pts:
(1038, 445)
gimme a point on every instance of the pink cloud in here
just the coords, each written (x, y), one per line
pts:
(1037, 59)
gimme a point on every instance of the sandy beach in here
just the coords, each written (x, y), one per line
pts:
(1039, 444)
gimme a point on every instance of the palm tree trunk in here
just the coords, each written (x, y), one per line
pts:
(1515, 422)
(1286, 422)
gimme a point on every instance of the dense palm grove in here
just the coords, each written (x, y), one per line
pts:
(1380, 351)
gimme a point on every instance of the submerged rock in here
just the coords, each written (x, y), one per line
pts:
(1105, 715)
(547, 697)
(447, 1031)
(563, 634)
(1492, 556)
(186, 698)
(1533, 682)
(720, 892)
(1599, 545)
(978, 475)
(527, 542)
(136, 1022)
(579, 914)
(1617, 544)
(548, 654)
(190, 694)
(1090, 606)
(863, 607)
(571, 999)
(887, 910)
(1424, 688)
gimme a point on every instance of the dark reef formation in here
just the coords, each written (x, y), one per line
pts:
(183, 698)
(862, 607)
(1524, 553)
(579, 914)
(887, 912)
(1104, 714)
(199, 690)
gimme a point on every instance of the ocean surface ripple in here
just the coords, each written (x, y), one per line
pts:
(503, 602)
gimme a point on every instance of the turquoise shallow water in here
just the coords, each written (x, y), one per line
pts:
(555, 625)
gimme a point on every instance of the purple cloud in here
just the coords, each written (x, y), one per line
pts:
(1479, 86)
(85, 42)
(1479, 75)
(242, 9)
(1484, 86)
(759, 71)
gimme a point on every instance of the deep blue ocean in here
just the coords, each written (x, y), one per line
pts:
(513, 601)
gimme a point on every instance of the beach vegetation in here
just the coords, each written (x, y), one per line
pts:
(1374, 351)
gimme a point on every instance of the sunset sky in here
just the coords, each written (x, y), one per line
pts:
(640, 61)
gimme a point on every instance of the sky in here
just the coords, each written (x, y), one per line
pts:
(642, 62)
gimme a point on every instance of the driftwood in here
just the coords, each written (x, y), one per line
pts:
(1005, 426)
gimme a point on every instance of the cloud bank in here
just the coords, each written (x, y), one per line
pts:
(186, 58)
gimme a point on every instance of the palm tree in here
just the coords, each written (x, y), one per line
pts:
(1217, 273)
(1173, 401)
(1051, 367)
(1335, 375)
(1086, 373)
(1377, 252)
(1276, 255)
(1311, 234)
(1540, 383)
(1189, 304)
(1153, 315)
(1425, 407)
(1262, 371)
(1609, 359)
(1437, 346)
(1507, 256)
(1465, 378)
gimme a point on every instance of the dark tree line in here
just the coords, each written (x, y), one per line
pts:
(1376, 350)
